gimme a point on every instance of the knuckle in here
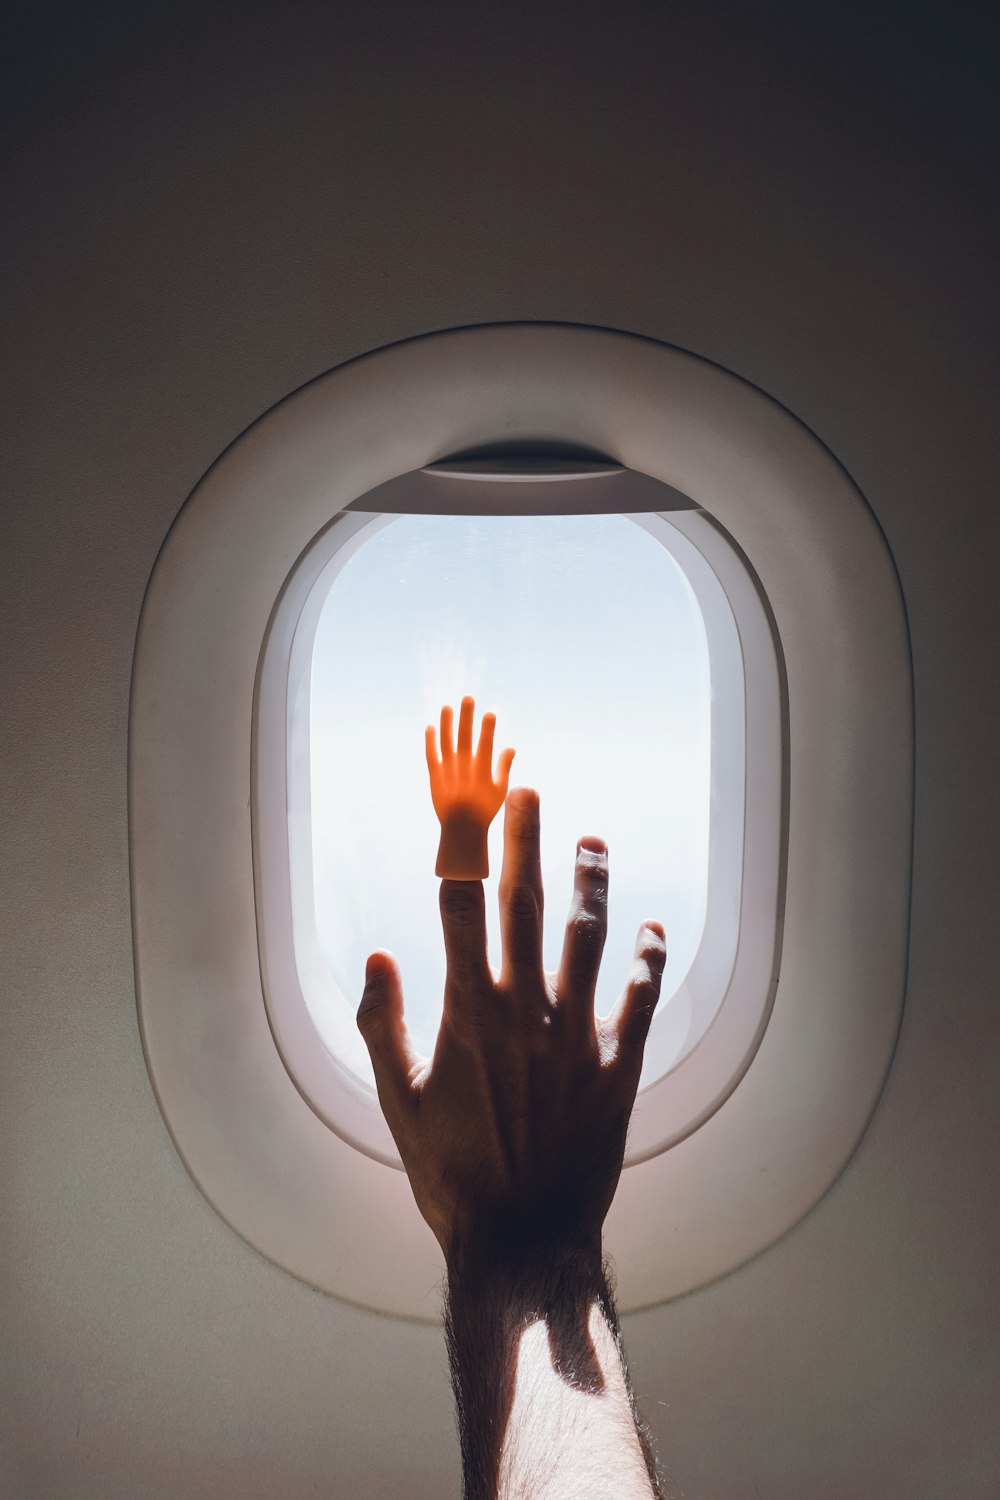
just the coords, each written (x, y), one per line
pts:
(589, 929)
(591, 865)
(645, 993)
(652, 949)
(520, 902)
(460, 903)
(646, 988)
(371, 1016)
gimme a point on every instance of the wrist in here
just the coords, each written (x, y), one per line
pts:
(521, 1264)
(462, 853)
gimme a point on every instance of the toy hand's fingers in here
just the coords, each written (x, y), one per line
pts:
(586, 929)
(447, 746)
(630, 1020)
(521, 897)
(430, 741)
(503, 771)
(381, 1023)
(484, 753)
(465, 726)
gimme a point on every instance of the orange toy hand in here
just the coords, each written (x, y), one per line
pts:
(466, 797)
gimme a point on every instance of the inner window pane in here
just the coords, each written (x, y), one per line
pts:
(584, 636)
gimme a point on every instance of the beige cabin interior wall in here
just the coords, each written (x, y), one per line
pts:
(210, 207)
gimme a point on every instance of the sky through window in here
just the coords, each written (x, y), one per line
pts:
(584, 637)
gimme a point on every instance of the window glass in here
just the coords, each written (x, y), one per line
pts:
(583, 635)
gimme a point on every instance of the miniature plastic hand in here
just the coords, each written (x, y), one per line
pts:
(465, 793)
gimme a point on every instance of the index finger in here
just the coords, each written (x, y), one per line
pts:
(463, 922)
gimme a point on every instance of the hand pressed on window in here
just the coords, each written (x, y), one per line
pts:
(512, 1136)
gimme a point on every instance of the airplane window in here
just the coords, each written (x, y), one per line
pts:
(586, 638)
(692, 634)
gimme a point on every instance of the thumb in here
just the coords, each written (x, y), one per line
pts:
(381, 1023)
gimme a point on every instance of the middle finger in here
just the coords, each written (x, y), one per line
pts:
(521, 890)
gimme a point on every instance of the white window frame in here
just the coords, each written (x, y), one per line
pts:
(261, 1155)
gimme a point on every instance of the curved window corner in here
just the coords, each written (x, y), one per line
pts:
(703, 659)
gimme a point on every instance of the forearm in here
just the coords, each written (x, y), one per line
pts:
(544, 1407)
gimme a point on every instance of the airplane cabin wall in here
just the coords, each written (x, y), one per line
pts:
(210, 207)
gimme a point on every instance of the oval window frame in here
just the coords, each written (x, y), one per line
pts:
(261, 1156)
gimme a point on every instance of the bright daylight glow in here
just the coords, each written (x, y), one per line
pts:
(585, 638)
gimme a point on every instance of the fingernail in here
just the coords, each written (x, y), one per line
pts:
(593, 843)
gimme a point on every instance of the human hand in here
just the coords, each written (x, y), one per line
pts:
(465, 794)
(513, 1134)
